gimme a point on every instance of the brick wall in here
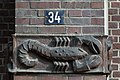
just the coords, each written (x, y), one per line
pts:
(30, 20)
(6, 29)
(80, 16)
(114, 30)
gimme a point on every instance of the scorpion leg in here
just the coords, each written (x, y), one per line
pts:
(66, 66)
(65, 41)
(57, 41)
(68, 41)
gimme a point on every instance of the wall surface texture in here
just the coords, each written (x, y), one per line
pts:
(114, 31)
(81, 16)
(7, 23)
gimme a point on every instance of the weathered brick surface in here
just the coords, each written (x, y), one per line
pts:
(116, 74)
(44, 5)
(28, 10)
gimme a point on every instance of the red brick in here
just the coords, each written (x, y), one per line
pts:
(116, 32)
(115, 39)
(116, 46)
(113, 25)
(74, 13)
(116, 18)
(44, 5)
(112, 11)
(116, 60)
(51, 30)
(97, 5)
(75, 78)
(92, 30)
(97, 21)
(114, 67)
(53, 77)
(115, 53)
(74, 30)
(116, 74)
(22, 5)
(81, 5)
(22, 20)
(37, 21)
(115, 4)
(24, 77)
(95, 77)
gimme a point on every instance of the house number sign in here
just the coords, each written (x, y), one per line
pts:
(54, 17)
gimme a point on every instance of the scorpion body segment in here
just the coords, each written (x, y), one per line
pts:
(51, 53)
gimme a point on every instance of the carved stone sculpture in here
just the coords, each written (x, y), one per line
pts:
(65, 54)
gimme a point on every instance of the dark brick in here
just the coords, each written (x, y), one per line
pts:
(1, 5)
(1, 62)
(116, 60)
(12, 12)
(114, 67)
(3, 40)
(9, 6)
(4, 13)
(115, 39)
(2, 69)
(97, 21)
(116, 74)
(97, 5)
(116, 46)
(116, 32)
(3, 27)
(115, 53)
(113, 25)
(112, 11)
(44, 5)
(9, 19)
(116, 18)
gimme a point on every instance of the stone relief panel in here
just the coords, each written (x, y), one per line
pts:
(60, 54)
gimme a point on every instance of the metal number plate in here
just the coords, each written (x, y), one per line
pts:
(54, 17)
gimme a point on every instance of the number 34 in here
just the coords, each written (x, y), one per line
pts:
(54, 17)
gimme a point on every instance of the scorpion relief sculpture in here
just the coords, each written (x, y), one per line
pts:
(77, 53)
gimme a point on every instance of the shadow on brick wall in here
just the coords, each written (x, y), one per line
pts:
(7, 27)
